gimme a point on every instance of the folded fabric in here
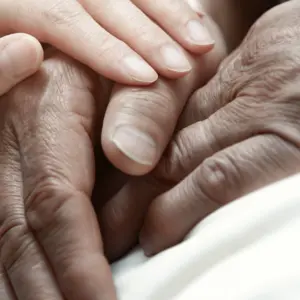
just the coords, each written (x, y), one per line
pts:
(247, 250)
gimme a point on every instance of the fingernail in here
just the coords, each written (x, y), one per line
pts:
(148, 251)
(135, 144)
(17, 58)
(139, 70)
(175, 59)
(196, 6)
(198, 34)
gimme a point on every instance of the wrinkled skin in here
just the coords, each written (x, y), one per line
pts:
(50, 244)
(49, 137)
(238, 133)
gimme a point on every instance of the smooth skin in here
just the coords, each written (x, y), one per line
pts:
(126, 41)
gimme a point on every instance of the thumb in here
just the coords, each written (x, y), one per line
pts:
(139, 122)
(20, 56)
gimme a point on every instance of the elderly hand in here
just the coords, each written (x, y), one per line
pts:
(50, 244)
(238, 133)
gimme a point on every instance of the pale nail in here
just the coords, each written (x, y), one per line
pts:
(198, 34)
(146, 245)
(139, 70)
(174, 59)
(196, 6)
(135, 144)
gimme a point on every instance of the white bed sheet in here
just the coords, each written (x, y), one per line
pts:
(248, 250)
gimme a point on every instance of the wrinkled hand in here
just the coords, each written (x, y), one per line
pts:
(50, 244)
(238, 133)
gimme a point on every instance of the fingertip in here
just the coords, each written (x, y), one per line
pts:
(35, 48)
(139, 71)
(123, 160)
(21, 55)
(146, 245)
(131, 150)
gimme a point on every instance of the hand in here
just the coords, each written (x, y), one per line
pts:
(155, 110)
(50, 244)
(20, 56)
(238, 133)
(245, 131)
(109, 36)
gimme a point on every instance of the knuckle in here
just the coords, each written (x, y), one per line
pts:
(45, 202)
(109, 46)
(143, 33)
(61, 13)
(218, 176)
(154, 105)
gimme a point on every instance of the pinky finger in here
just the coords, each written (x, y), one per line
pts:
(20, 56)
(224, 177)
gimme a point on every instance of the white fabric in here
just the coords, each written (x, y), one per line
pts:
(248, 250)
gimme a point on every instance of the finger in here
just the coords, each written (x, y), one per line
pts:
(23, 261)
(224, 177)
(122, 216)
(127, 22)
(196, 6)
(191, 145)
(68, 27)
(179, 19)
(140, 122)
(58, 169)
(20, 56)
